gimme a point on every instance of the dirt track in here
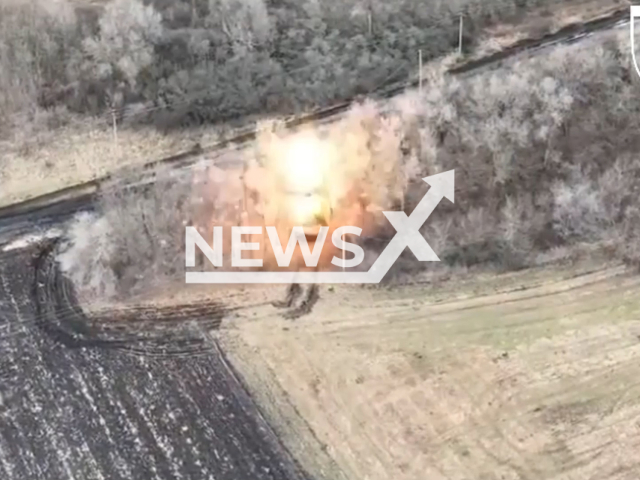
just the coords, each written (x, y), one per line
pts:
(541, 382)
(600, 18)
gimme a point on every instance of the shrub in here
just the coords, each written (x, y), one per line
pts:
(209, 61)
(134, 241)
(544, 152)
(124, 47)
(545, 149)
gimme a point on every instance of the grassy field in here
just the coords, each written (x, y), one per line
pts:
(530, 375)
(80, 153)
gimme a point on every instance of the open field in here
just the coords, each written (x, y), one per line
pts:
(98, 411)
(525, 376)
(529, 375)
(81, 153)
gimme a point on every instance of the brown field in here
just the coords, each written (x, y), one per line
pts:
(530, 375)
(80, 153)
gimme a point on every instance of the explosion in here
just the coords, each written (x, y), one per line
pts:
(305, 165)
(340, 174)
(303, 175)
(343, 174)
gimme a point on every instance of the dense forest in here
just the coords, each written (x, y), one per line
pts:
(184, 62)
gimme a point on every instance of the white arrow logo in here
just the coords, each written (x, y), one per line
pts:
(635, 12)
(407, 235)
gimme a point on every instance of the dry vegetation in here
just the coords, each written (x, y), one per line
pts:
(464, 380)
(45, 161)
(171, 66)
(528, 374)
(549, 18)
(544, 152)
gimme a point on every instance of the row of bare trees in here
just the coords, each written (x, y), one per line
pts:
(181, 62)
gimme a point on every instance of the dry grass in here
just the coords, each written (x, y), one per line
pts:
(79, 153)
(581, 10)
(455, 382)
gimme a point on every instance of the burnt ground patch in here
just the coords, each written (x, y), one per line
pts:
(144, 394)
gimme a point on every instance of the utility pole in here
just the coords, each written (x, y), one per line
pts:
(115, 125)
(460, 36)
(420, 71)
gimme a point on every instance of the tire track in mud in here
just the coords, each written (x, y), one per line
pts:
(176, 330)
(130, 395)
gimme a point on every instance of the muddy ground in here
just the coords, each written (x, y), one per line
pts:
(132, 394)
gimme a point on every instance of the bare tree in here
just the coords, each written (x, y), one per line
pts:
(244, 22)
(124, 45)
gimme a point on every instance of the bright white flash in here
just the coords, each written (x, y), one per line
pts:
(307, 209)
(304, 166)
